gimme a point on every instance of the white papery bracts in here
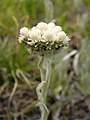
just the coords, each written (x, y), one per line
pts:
(43, 38)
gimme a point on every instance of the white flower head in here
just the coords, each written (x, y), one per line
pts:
(35, 34)
(43, 38)
(23, 34)
(57, 29)
(55, 38)
(24, 31)
(51, 25)
(42, 26)
(48, 35)
(61, 35)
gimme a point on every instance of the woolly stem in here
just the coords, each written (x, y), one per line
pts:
(45, 69)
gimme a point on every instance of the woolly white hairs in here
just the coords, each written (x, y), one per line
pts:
(43, 38)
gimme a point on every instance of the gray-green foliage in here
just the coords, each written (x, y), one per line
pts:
(48, 10)
(59, 70)
(82, 66)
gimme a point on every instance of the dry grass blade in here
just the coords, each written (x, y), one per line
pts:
(19, 74)
(2, 88)
(12, 93)
(26, 109)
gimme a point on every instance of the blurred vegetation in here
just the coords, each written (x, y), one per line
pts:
(72, 15)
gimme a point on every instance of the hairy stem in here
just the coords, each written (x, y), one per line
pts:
(45, 68)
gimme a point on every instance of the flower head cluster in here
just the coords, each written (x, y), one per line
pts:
(43, 38)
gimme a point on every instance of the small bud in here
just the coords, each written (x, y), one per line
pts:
(48, 34)
(55, 38)
(35, 34)
(61, 35)
(42, 26)
(51, 25)
(24, 31)
(57, 29)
